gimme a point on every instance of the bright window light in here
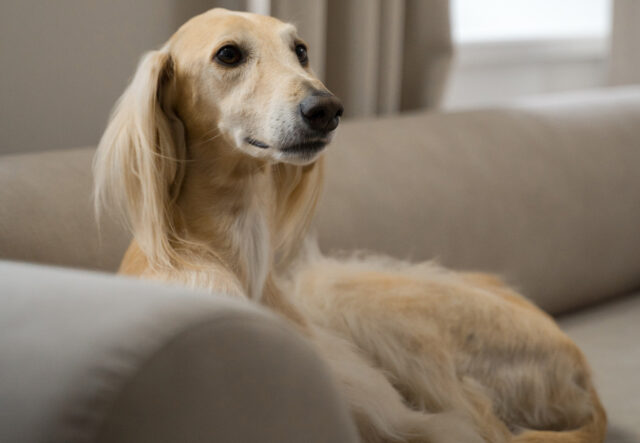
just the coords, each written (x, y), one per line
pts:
(499, 20)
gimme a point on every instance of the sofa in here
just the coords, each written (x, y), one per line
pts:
(544, 192)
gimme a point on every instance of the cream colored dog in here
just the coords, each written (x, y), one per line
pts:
(213, 156)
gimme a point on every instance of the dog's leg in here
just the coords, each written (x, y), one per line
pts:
(575, 391)
(419, 370)
(378, 316)
(379, 411)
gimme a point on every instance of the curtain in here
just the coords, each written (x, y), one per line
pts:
(378, 56)
(625, 43)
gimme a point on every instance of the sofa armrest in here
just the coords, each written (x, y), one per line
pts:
(97, 358)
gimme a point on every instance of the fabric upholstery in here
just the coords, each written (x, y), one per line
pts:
(47, 212)
(544, 193)
(97, 358)
(378, 56)
(608, 335)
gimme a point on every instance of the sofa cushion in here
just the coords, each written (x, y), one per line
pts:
(609, 336)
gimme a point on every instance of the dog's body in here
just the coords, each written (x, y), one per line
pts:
(213, 156)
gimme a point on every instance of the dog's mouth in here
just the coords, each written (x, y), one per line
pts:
(304, 148)
(256, 143)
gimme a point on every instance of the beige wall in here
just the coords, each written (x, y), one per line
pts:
(65, 62)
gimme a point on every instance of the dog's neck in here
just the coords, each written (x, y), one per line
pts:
(245, 211)
(234, 221)
(224, 207)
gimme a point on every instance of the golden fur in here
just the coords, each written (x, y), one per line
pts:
(420, 353)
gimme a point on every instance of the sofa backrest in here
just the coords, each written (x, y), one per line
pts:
(46, 212)
(546, 194)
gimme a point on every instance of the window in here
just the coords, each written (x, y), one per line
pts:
(499, 20)
(508, 49)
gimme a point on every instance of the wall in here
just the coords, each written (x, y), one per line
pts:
(65, 62)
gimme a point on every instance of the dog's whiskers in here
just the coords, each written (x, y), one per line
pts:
(207, 140)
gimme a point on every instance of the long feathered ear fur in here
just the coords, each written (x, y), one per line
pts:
(139, 164)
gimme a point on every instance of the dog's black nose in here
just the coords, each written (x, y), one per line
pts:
(321, 112)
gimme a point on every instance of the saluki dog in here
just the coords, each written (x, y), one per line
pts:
(213, 155)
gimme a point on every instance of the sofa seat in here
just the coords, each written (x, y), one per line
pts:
(609, 335)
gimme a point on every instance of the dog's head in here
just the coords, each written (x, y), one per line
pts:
(248, 77)
(226, 84)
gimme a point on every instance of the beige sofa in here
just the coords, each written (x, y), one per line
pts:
(545, 193)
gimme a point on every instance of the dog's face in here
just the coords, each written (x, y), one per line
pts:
(246, 78)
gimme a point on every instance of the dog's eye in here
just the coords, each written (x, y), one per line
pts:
(229, 55)
(301, 52)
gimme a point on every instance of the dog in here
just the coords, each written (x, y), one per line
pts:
(213, 157)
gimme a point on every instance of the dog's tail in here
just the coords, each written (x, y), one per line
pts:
(591, 432)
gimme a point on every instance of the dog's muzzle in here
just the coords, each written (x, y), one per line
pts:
(320, 114)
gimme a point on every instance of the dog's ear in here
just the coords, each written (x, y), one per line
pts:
(140, 159)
